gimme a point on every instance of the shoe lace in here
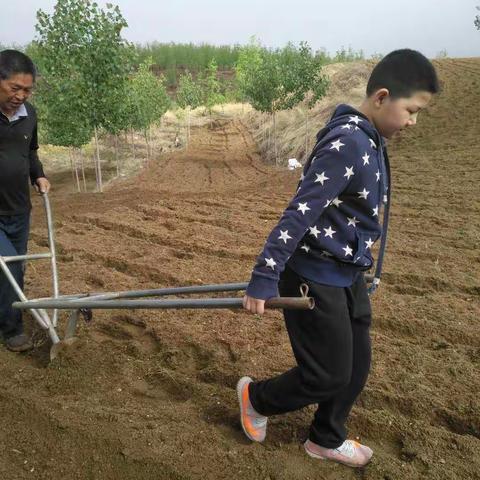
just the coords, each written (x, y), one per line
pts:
(259, 422)
(347, 448)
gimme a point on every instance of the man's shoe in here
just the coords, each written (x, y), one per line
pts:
(349, 453)
(19, 343)
(254, 425)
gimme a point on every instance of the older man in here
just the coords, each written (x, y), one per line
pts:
(19, 163)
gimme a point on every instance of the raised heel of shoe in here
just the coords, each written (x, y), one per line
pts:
(312, 454)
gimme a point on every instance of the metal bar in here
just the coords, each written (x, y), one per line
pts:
(53, 254)
(226, 287)
(158, 292)
(221, 287)
(71, 325)
(40, 315)
(22, 258)
(294, 303)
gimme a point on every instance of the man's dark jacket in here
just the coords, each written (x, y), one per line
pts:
(19, 162)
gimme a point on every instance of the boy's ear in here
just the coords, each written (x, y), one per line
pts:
(381, 96)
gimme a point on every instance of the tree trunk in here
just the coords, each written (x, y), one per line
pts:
(269, 137)
(275, 152)
(306, 134)
(188, 127)
(82, 166)
(73, 163)
(117, 156)
(77, 177)
(98, 165)
(71, 167)
(264, 127)
(145, 134)
(133, 143)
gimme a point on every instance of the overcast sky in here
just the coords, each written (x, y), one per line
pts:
(375, 26)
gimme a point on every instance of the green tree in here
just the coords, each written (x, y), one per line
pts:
(84, 62)
(59, 126)
(148, 99)
(189, 96)
(211, 88)
(280, 79)
(477, 20)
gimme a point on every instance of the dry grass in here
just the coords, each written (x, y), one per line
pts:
(132, 148)
(295, 134)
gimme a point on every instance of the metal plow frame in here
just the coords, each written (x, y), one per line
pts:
(46, 321)
(133, 299)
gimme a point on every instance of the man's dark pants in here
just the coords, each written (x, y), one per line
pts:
(331, 344)
(14, 230)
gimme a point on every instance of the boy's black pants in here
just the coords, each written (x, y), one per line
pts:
(331, 344)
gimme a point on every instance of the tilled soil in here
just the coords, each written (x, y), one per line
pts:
(151, 394)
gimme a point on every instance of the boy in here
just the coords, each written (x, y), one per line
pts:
(324, 239)
(19, 163)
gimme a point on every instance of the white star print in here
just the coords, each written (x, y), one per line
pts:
(352, 221)
(327, 204)
(355, 119)
(363, 194)
(372, 143)
(321, 178)
(337, 145)
(346, 126)
(349, 172)
(378, 175)
(284, 236)
(375, 211)
(348, 251)
(366, 159)
(271, 263)
(314, 231)
(326, 254)
(302, 207)
(305, 247)
(337, 202)
(369, 243)
(329, 232)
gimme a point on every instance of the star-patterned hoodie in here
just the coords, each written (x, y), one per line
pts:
(327, 231)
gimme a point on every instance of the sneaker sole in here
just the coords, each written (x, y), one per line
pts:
(20, 349)
(240, 385)
(313, 455)
(320, 457)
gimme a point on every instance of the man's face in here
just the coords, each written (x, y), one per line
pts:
(15, 90)
(394, 115)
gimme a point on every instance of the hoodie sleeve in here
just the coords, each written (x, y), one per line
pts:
(328, 175)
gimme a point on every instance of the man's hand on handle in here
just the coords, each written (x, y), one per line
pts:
(42, 185)
(254, 305)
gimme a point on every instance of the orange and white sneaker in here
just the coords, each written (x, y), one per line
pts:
(349, 453)
(254, 425)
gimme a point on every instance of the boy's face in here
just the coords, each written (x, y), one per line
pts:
(393, 115)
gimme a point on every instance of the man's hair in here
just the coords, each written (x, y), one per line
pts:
(13, 62)
(404, 72)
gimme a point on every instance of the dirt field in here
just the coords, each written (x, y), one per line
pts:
(150, 395)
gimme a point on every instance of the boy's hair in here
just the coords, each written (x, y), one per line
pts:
(13, 62)
(404, 72)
